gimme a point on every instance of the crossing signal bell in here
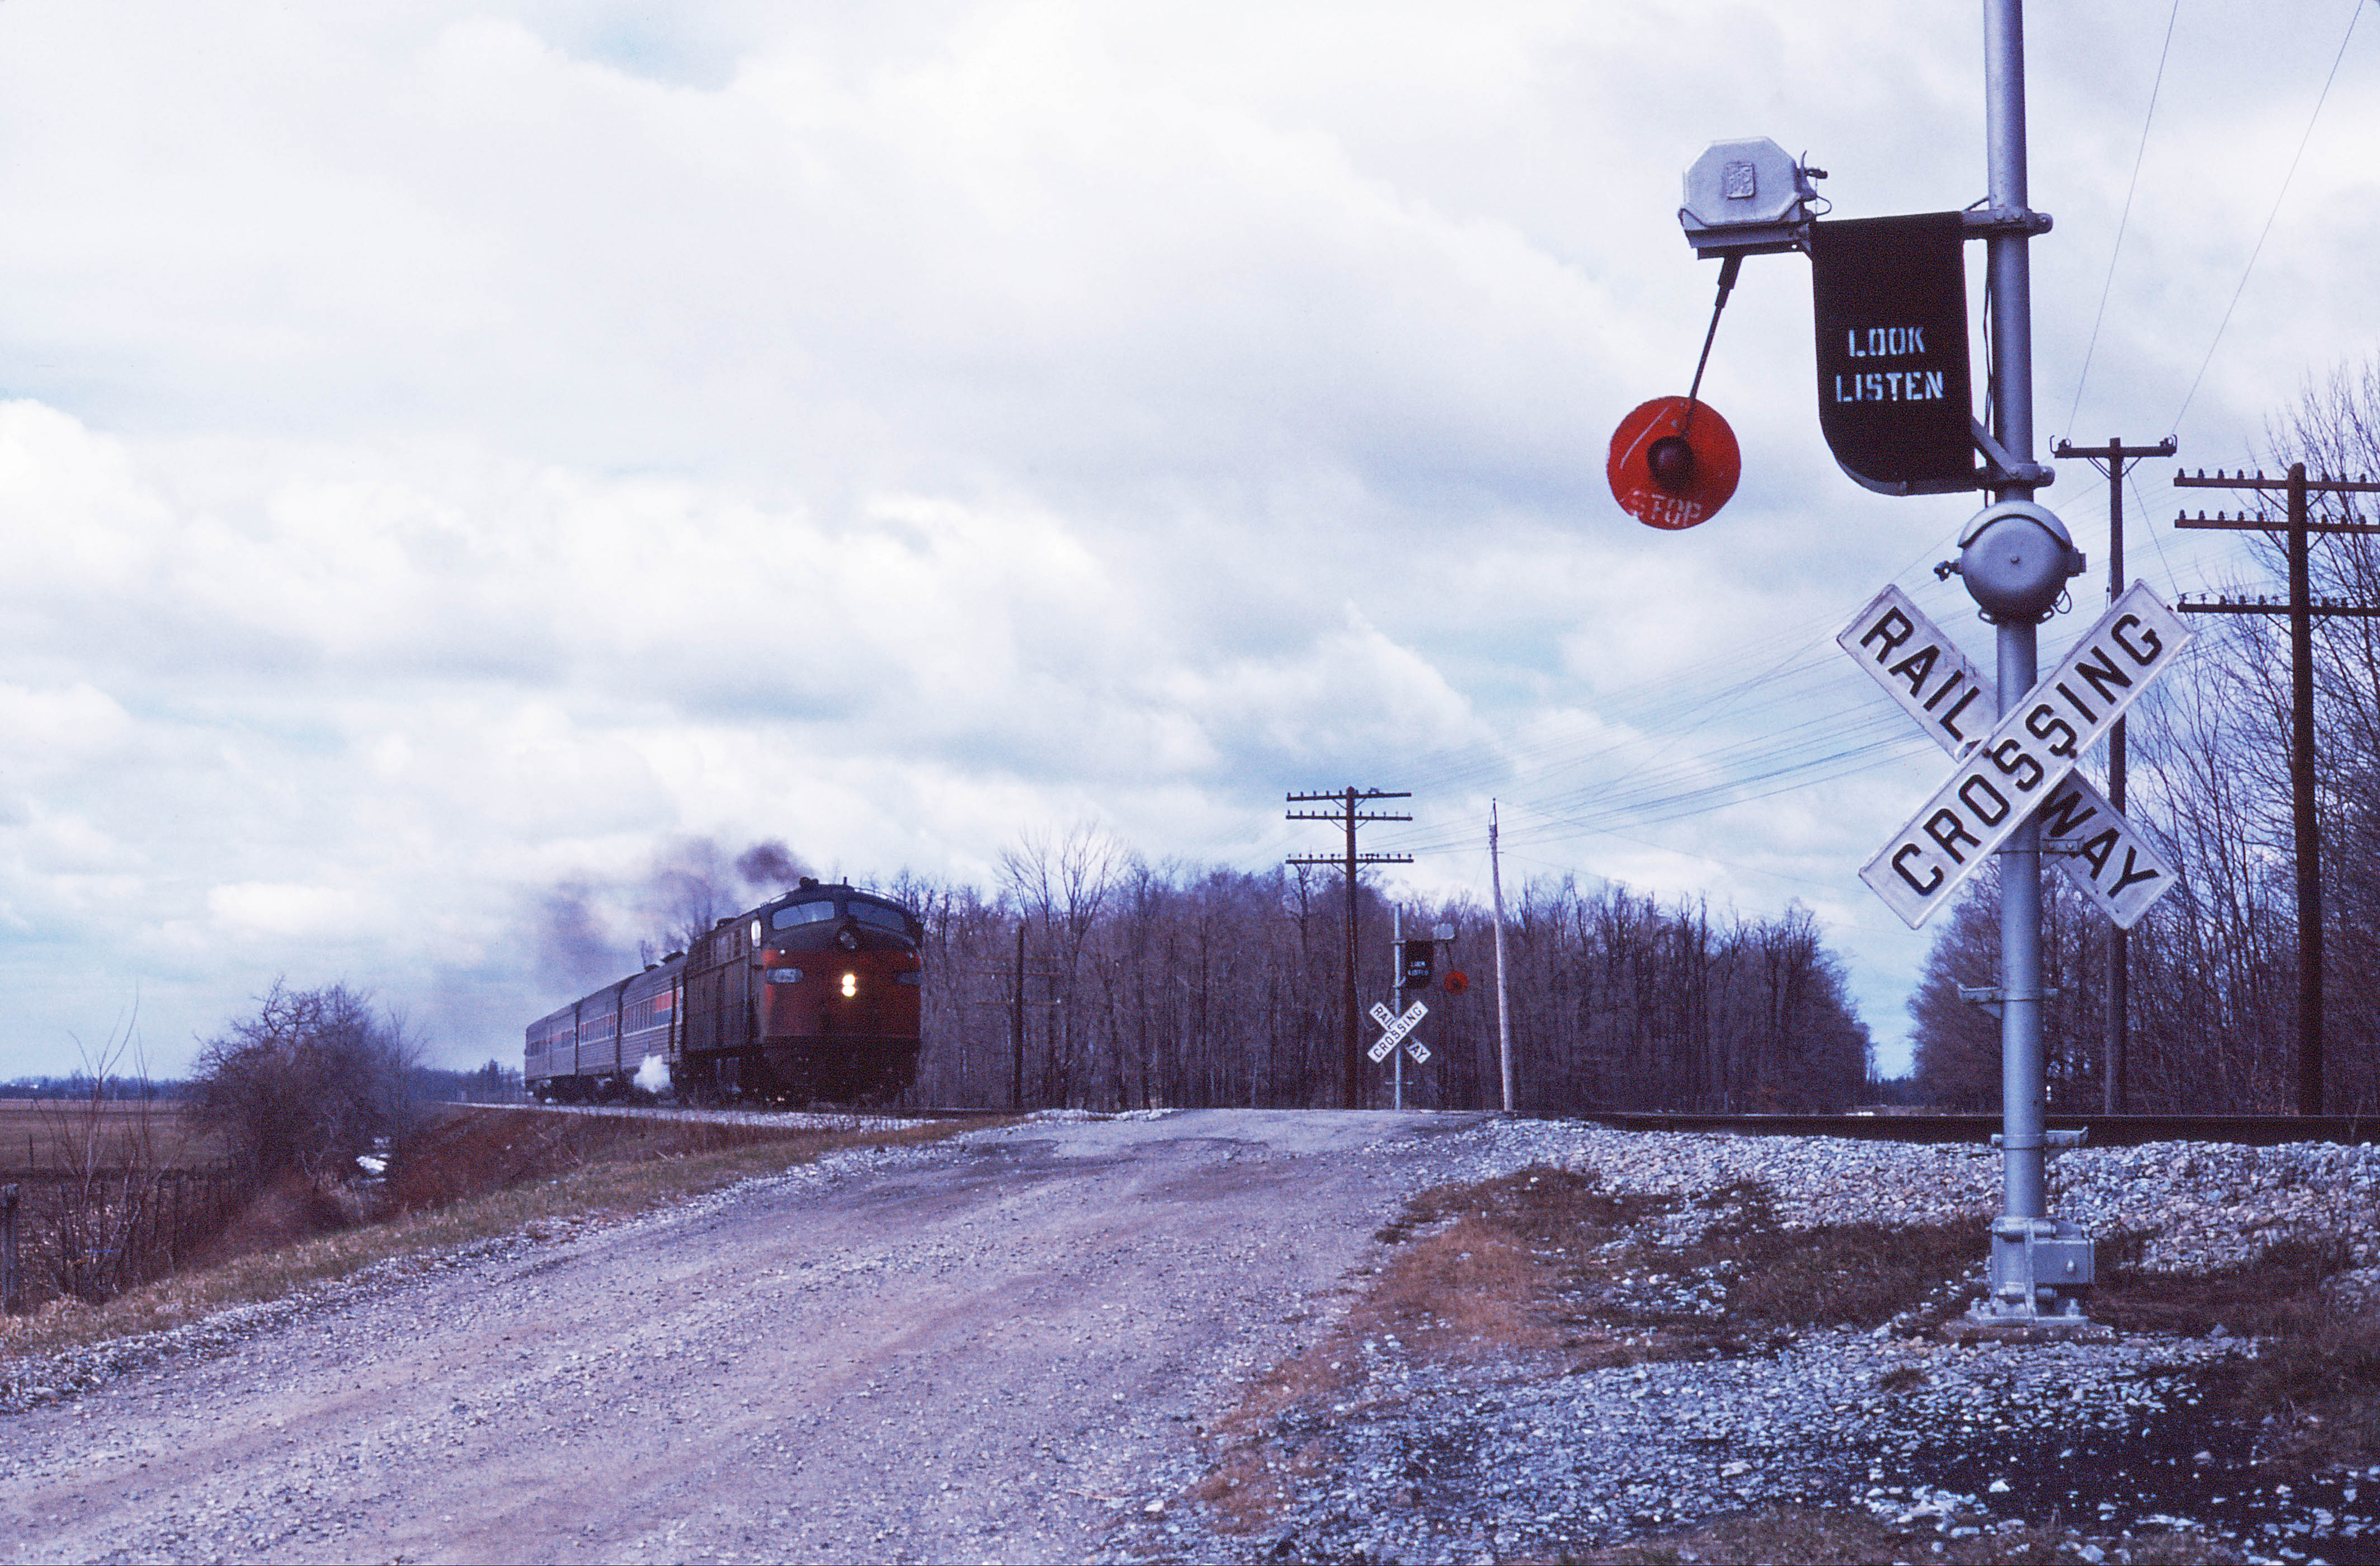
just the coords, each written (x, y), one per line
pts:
(2015, 558)
(1419, 961)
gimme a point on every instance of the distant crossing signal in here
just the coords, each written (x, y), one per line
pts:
(1420, 961)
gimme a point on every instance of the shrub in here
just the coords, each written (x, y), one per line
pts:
(313, 1080)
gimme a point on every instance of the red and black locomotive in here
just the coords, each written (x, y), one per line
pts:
(812, 997)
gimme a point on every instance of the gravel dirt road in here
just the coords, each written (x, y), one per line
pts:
(991, 1348)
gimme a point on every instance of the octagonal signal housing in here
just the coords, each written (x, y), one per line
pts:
(1746, 198)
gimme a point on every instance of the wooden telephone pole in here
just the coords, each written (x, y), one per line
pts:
(2110, 459)
(2301, 609)
(1347, 815)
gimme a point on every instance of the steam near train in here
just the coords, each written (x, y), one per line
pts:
(811, 997)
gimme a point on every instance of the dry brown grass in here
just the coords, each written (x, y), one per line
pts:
(1550, 1272)
(585, 1190)
(1547, 1272)
(49, 1134)
(2316, 1374)
(1549, 1259)
(469, 1151)
(114, 1193)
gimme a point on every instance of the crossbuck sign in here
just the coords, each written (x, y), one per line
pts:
(1393, 1027)
(2024, 762)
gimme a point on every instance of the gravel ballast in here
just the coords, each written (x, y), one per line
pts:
(2111, 1437)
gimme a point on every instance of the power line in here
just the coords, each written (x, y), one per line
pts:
(2352, 16)
(2125, 217)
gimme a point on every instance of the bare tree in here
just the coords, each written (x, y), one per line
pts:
(307, 1085)
(2214, 965)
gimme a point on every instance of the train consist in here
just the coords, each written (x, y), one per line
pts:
(813, 997)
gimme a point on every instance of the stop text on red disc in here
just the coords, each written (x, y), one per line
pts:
(1673, 463)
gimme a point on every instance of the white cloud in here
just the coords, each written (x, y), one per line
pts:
(267, 908)
(456, 447)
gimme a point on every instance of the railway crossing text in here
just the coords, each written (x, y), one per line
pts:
(2024, 762)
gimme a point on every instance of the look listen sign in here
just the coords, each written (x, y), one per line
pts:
(1891, 297)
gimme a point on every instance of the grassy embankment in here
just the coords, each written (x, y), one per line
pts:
(467, 1174)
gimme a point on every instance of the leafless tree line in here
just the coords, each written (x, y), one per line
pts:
(1167, 985)
(2213, 969)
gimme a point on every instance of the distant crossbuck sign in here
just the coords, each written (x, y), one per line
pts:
(2023, 762)
(1394, 1028)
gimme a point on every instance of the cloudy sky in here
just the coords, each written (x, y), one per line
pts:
(452, 452)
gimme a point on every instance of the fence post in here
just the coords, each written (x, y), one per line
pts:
(9, 1288)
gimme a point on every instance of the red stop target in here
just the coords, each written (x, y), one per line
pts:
(1673, 463)
(1456, 981)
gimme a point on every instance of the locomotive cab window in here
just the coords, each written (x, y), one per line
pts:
(803, 914)
(892, 919)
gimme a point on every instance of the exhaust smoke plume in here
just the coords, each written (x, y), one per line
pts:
(590, 931)
(573, 946)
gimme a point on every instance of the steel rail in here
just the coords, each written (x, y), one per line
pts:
(2101, 1130)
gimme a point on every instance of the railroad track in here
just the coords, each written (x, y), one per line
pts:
(2100, 1131)
(732, 1115)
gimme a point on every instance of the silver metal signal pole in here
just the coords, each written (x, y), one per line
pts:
(2023, 1241)
(2023, 1185)
(1396, 999)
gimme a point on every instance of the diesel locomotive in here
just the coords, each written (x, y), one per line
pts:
(811, 997)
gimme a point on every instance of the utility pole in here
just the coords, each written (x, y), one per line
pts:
(1503, 1018)
(1016, 1027)
(1396, 994)
(2109, 459)
(2301, 609)
(1350, 818)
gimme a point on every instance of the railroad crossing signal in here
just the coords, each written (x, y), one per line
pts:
(1420, 960)
(2121, 871)
(1394, 1028)
(2023, 762)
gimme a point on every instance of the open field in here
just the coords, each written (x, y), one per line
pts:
(42, 1136)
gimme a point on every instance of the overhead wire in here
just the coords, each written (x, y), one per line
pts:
(2353, 15)
(1842, 739)
(1847, 737)
(1647, 750)
(2124, 218)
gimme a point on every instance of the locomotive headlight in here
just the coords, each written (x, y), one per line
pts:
(850, 985)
